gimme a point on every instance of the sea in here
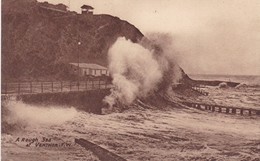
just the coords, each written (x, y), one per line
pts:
(246, 94)
(48, 133)
(249, 80)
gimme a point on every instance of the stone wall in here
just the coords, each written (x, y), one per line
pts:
(89, 101)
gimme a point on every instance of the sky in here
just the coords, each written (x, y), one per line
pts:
(208, 36)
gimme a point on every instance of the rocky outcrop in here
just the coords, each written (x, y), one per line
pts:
(39, 39)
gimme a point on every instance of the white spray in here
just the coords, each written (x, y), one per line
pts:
(139, 69)
(17, 112)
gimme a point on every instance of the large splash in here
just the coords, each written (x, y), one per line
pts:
(19, 114)
(140, 69)
(134, 70)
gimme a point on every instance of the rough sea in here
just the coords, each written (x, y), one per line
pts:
(246, 94)
(48, 133)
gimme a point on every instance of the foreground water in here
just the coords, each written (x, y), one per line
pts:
(170, 133)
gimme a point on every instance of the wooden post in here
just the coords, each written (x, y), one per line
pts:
(227, 110)
(99, 85)
(250, 112)
(42, 86)
(219, 109)
(234, 110)
(51, 86)
(61, 86)
(241, 111)
(78, 85)
(98, 151)
(213, 108)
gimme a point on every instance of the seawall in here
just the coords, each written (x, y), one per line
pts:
(89, 101)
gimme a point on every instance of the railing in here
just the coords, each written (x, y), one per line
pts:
(18, 88)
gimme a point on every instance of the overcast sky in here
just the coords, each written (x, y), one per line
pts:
(209, 36)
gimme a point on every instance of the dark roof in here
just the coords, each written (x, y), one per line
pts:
(86, 7)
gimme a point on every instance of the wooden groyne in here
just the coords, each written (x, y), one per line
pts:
(101, 153)
(214, 83)
(199, 90)
(223, 109)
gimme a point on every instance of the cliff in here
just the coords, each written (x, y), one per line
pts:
(39, 39)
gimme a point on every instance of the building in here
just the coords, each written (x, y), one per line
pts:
(88, 69)
(85, 9)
